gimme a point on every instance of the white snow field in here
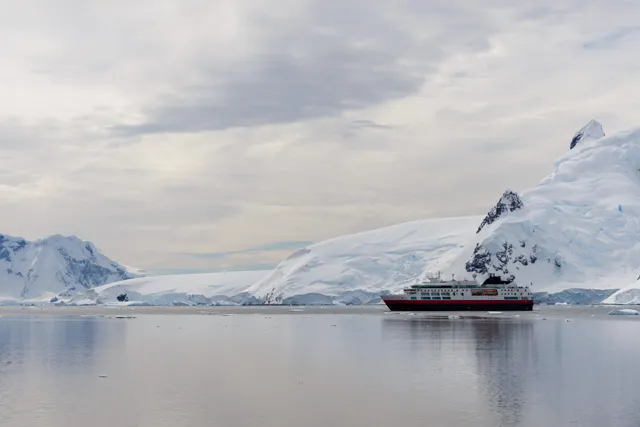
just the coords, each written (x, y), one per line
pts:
(205, 288)
(386, 259)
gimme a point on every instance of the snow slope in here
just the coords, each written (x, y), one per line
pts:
(203, 288)
(626, 295)
(579, 228)
(53, 266)
(380, 260)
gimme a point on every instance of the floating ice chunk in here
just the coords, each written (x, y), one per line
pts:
(624, 312)
(494, 312)
(453, 316)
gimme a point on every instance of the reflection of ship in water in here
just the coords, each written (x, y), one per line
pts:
(501, 352)
(504, 351)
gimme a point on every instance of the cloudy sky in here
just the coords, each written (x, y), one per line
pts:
(196, 135)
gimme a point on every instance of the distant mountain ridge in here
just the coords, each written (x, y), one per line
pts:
(56, 266)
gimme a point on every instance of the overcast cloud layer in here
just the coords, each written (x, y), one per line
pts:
(202, 135)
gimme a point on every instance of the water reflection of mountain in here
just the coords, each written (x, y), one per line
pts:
(64, 343)
(503, 351)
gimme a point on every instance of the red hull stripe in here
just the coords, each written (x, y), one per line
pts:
(456, 302)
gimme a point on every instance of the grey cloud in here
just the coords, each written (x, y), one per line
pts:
(470, 123)
(366, 124)
(352, 130)
(611, 39)
(342, 56)
(280, 89)
(15, 134)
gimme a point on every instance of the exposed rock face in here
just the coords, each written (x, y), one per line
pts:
(509, 202)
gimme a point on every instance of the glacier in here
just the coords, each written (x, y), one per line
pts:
(626, 295)
(222, 288)
(54, 267)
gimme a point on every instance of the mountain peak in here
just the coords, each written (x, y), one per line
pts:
(591, 131)
(509, 202)
(56, 265)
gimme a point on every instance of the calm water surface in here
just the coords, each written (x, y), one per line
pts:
(356, 367)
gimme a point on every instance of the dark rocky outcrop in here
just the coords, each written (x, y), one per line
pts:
(592, 130)
(509, 202)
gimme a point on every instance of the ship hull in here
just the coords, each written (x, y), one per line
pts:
(460, 305)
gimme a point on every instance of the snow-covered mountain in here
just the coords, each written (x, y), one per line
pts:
(371, 262)
(579, 228)
(51, 267)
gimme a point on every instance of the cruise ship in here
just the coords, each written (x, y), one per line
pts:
(494, 293)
